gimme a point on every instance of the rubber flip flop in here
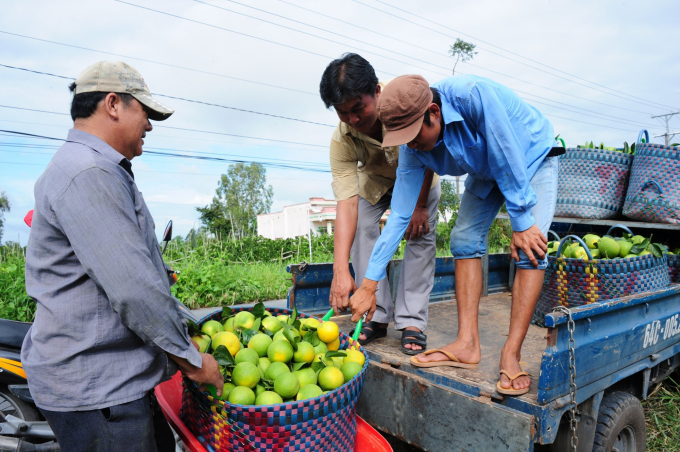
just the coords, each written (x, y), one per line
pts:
(413, 337)
(372, 332)
(510, 391)
(454, 362)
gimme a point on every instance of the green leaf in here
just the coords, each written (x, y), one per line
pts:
(308, 328)
(317, 366)
(258, 310)
(308, 337)
(292, 339)
(247, 335)
(223, 357)
(268, 332)
(640, 247)
(298, 366)
(295, 315)
(193, 328)
(657, 249)
(257, 324)
(226, 313)
(335, 354)
(297, 324)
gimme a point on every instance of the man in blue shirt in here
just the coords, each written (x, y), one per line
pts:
(471, 125)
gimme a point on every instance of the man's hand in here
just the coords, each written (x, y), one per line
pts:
(343, 284)
(529, 241)
(208, 373)
(364, 300)
(419, 224)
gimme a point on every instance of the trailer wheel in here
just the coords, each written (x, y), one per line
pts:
(620, 424)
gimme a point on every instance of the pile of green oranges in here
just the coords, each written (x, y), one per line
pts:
(267, 360)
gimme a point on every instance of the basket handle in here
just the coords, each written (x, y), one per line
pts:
(619, 226)
(646, 134)
(550, 231)
(652, 182)
(578, 239)
(564, 145)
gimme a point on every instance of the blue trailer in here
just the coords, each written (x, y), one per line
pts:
(619, 350)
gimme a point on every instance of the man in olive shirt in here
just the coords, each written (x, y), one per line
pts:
(363, 177)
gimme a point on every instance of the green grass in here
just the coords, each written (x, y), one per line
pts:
(662, 411)
(15, 304)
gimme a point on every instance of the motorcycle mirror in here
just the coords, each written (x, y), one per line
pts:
(167, 236)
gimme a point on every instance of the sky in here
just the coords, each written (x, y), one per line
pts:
(597, 70)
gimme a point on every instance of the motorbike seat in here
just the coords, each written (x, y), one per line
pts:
(12, 333)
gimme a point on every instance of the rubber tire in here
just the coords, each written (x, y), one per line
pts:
(618, 410)
(24, 410)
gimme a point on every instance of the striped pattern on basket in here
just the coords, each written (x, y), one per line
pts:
(592, 183)
(574, 282)
(325, 423)
(654, 188)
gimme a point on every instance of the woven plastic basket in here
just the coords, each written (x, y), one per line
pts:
(654, 189)
(673, 267)
(326, 423)
(592, 183)
(574, 282)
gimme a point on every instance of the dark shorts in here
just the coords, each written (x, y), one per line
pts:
(137, 426)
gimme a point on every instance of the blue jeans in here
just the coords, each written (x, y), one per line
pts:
(475, 215)
(137, 426)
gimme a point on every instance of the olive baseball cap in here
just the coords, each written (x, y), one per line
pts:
(120, 77)
(401, 108)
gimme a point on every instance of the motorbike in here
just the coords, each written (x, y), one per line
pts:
(22, 427)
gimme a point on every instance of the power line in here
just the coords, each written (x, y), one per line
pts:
(188, 100)
(318, 28)
(435, 65)
(177, 172)
(232, 31)
(197, 157)
(437, 53)
(190, 130)
(500, 48)
(445, 74)
(161, 63)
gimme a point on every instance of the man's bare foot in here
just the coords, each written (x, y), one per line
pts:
(467, 351)
(413, 346)
(381, 326)
(510, 364)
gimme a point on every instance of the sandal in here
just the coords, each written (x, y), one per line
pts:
(372, 332)
(454, 362)
(413, 337)
(510, 391)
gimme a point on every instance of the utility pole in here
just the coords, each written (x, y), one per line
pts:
(668, 135)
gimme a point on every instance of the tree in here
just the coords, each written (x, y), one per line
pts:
(462, 51)
(4, 207)
(241, 195)
(213, 218)
(448, 201)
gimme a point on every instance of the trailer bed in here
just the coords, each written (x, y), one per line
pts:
(442, 328)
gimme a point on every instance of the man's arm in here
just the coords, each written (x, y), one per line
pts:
(420, 224)
(343, 237)
(98, 216)
(410, 175)
(343, 159)
(507, 161)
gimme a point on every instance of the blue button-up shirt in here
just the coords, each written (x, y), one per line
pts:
(105, 316)
(492, 135)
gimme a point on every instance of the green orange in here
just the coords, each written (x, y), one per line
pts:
(246, 374)
(280, 351)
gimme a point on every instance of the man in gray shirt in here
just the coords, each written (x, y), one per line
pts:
(107, 329)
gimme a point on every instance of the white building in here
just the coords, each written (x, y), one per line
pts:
(297, 220)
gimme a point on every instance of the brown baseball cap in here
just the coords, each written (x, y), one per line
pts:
(120, 77)
(401, 108)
